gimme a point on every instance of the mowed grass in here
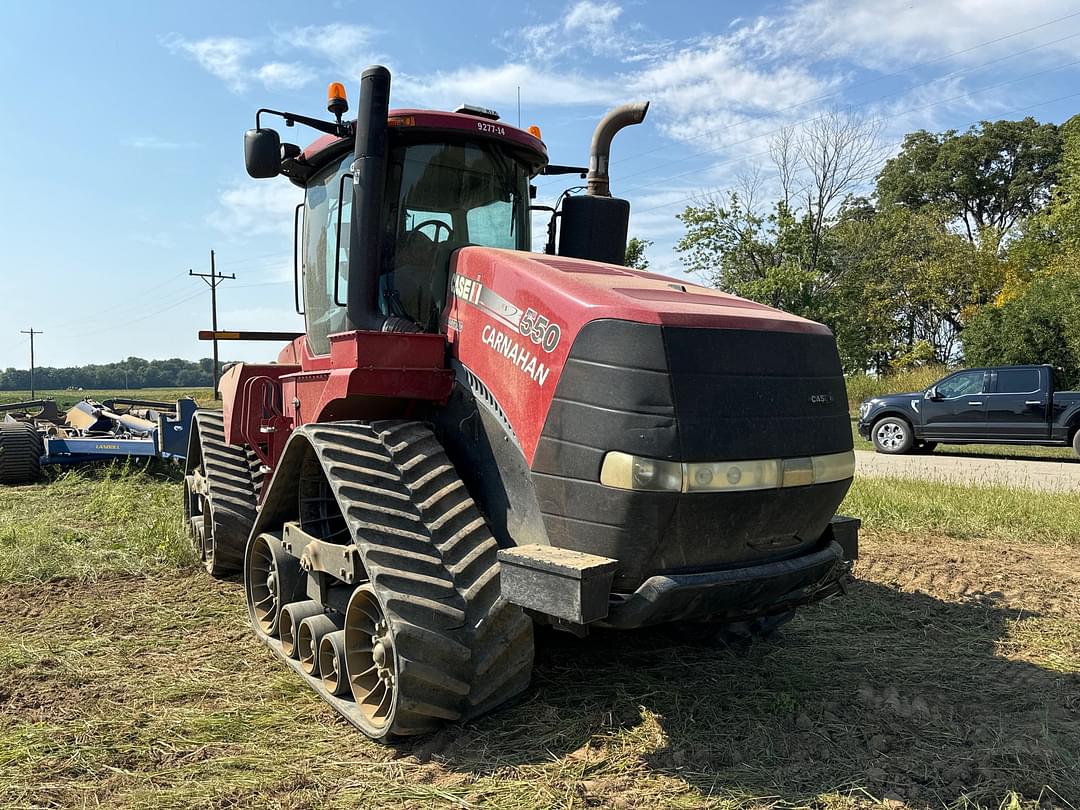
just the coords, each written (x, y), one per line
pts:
(946, 678)
(67, 397)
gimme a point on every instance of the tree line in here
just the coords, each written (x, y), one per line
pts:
(964, 247)
(134, 372)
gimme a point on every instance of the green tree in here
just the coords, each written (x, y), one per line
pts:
(635, 253)
(1041, 324)
(989, 178)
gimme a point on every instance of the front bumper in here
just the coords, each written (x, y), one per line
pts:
(864, 428)
(731, 595)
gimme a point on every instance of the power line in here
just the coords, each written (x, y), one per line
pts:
(722, 147)
(213, 279)
(882, 77)
(694, 196)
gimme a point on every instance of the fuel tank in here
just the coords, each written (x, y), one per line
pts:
(586, 366)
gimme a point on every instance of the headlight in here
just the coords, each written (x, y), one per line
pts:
(864, 409)
(625, 471)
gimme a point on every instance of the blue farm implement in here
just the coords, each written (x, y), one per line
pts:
(33, 434)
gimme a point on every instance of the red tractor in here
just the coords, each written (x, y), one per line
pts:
(471, 437)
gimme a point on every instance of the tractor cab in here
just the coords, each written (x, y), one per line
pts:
(446, 188)
(433, 182)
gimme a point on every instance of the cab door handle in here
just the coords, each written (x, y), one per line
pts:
(979, 402)
(1033, 402)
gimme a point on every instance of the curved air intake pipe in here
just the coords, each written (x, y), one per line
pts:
(598, 181)
(369, 186)
(594, 225)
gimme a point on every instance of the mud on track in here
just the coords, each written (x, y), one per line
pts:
(948, 675)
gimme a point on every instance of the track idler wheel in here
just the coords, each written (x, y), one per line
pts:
(292, 616)
(371, 661)
(310, 636)
(270, 578)
(332, 663)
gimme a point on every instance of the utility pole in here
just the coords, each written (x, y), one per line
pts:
(31, 333)
(213, 278)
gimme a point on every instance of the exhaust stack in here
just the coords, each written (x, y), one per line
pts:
(600, 151)
(594, 225)
(369, 184)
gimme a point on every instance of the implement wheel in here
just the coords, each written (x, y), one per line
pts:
(219, 496)
(20, 453)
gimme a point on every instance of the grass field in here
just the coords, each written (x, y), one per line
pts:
(948, 677)
(67, 397)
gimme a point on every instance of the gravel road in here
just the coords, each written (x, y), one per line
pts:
(1054, 476)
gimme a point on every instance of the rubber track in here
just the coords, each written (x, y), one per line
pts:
(432, 560)
(20, 453)
(231, 492)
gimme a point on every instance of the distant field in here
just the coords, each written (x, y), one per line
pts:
(67, 397)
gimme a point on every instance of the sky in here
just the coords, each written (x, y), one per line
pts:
(123, 123)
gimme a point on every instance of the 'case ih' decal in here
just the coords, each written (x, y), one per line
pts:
(531, 324)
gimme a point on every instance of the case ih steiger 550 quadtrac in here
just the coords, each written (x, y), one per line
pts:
(471, 437)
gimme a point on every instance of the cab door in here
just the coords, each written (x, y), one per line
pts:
(958, 409)
(1017, 404)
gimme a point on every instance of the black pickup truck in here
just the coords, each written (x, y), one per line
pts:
(1006, 405)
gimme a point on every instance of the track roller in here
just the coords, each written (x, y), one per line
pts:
(310, 635)
(332, 667)
(370, 658)
(271, 579)
(292, 616)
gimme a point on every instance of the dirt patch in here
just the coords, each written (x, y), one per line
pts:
(949, 676)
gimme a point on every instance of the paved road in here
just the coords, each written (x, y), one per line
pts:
(1055, 476)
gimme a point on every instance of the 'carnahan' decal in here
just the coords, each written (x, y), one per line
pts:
(522, 358)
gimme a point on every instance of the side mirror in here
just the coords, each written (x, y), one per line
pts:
(262, 153)
(933, 394)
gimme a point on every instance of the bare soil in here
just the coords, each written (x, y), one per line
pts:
(948, 677)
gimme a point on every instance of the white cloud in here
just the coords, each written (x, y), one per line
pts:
(498, 85)
(231, 60)
(348, 48)
(586, 26)
(257, 208)
(885, 35)
(284, 75)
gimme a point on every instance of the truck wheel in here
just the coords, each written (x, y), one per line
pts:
(20, 453)
(1076, 442)
(893, 435)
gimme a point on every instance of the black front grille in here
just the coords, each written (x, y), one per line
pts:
(745, 394)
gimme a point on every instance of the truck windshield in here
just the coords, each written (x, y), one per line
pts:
(440, 197)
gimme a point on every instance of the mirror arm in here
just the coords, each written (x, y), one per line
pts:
(341, 130)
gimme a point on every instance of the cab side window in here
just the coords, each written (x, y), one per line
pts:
(964, 384)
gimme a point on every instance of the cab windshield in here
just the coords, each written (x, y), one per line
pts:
(440, 197)
(444, 196)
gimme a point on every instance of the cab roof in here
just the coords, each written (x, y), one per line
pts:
(410, 119)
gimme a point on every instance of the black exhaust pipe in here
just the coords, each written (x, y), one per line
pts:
(594, 226)
(369, 187)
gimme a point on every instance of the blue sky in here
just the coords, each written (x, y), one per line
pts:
(123, 124)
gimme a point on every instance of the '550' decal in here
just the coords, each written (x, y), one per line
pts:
(539, 330)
